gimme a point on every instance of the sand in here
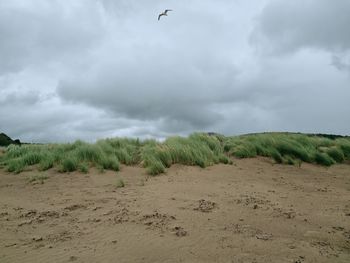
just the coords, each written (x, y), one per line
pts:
(252, 211)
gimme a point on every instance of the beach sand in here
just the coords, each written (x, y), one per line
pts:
(251, 211)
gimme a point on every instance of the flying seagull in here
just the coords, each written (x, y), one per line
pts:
(165, 13)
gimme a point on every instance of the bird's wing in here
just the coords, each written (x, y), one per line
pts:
(159, 16)
(167, 10)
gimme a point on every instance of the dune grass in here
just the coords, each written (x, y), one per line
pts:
(37, 178)
(290, 148)
(198, 149)
(120, 183)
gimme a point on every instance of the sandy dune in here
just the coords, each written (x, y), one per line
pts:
(252, 211)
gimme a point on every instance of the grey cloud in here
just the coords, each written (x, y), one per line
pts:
(62, 122)
(90, 69)
(39, 31)
(19, 98)
(171, 76)
(341, 62)
(302, 94)
(286, 26)
(155, 93)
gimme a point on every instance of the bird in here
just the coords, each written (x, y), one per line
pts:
(165, 13)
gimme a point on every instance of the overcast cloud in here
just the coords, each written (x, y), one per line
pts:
(90, 69)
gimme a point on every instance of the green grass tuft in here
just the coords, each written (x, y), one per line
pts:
(120, 183)
(324, 159)
(83, 167)
(155, 167)
(14, 151)
(38, 178)
(289, 160)
(345, 147)
(46, 162)
(245, 151)
(69, 164)
(32, 158)
(275, 155)
(84, 152)
(109, 163)
(224, 159)
(288, 147)
(16, 165)
(336, 154)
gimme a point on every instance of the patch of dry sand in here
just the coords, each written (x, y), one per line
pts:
(252, 211)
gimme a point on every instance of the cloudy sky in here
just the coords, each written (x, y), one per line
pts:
(90, 69)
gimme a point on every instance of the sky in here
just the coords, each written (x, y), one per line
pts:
(92, 69)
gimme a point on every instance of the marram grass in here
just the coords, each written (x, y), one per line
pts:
(198, 149)
(290, 148)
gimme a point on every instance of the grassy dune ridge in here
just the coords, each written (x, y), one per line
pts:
(199, 149)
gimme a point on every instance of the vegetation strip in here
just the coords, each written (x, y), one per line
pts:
(199, 149)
